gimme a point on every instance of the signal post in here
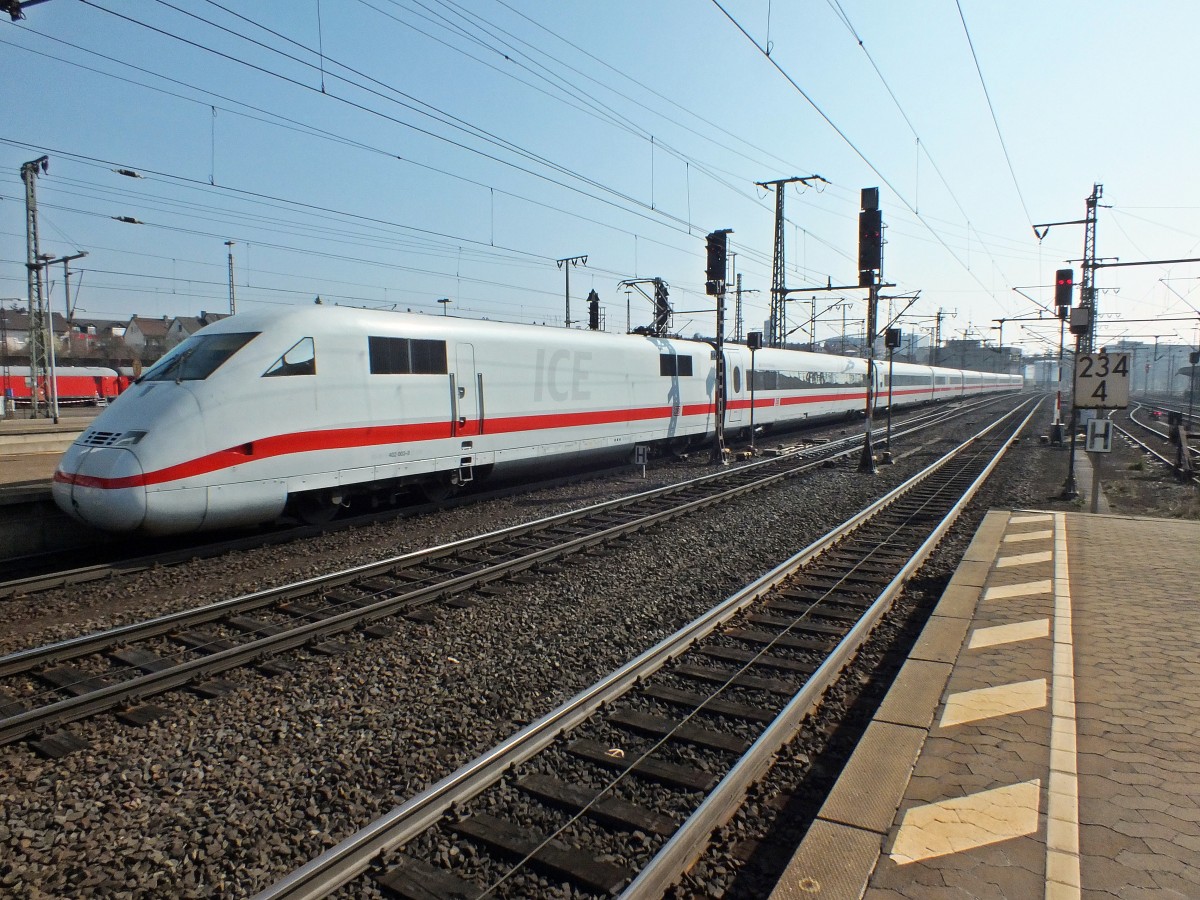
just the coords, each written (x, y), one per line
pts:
(714, 285)
(1064, 285)
(870, 264)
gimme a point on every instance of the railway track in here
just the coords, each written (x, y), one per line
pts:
(1163, 438)
(44, 572)
(44, 688)
(619, 789)
(50, 571)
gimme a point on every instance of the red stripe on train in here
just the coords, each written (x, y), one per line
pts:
(374, 435)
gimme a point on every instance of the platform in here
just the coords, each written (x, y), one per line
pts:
(30, 449)
(22, 437)
(1042, 738)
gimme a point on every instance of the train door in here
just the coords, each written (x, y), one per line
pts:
(468, 400)
(735, 387)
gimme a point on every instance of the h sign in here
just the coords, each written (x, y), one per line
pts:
(1099, 436)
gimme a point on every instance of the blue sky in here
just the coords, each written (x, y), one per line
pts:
(394, 152)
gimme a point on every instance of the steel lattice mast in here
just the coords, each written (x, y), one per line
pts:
(777, 322)
(1087, 288)
(39, 364)
(776, 327)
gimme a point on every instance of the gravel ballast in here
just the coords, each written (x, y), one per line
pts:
(225, 796)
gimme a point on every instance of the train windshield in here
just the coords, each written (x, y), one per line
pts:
(197, 357)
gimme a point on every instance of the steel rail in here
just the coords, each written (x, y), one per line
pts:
(28, 584)
(64, 578)
(133, 690)
(1159, 434)
(1170, 406)
(354, 854)
(72, 648)
(691, 840)
(1146, 448)
(90, 643)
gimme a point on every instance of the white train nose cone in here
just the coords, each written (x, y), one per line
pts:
(102, 486)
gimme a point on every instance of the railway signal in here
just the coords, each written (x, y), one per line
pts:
(593, 302)
(870, 237)
(870, 262)
(1064, 286)
(718, 248)
(892, 339)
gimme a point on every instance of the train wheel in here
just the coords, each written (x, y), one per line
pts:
(315, 507)
(437, 489)
(677, 446)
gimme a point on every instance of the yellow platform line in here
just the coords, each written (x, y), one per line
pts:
(1018, 536)
(1024, 589)
(1024, 559)
(1030, 518)
(990, 702)
(1062, 806)
(1009, 634)
(965, 823)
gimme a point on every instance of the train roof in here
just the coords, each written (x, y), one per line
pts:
(347, 319)
(323, 319)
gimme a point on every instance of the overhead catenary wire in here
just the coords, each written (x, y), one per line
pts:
(922, 145)
(469, 128)
(690, 225)
(612, 115)
(498, 41)
(992, 110)
(851, 144)
(271, 117)
(632, 203)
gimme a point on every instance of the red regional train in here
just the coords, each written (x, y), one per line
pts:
(77, 385)
(299, 410)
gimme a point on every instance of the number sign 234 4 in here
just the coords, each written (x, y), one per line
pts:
(1102, 381)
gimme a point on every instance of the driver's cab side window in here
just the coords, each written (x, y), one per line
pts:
(301, 359)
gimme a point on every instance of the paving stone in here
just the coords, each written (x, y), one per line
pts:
(1136, 697)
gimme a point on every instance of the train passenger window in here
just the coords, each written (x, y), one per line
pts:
(670, 364)
(737, 379)
(406, 356)
(301, 359)
(764, 380)
(198, 357)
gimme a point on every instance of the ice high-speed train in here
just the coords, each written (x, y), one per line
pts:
(300, 410)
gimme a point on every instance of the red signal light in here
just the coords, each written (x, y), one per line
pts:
(1064, 284)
